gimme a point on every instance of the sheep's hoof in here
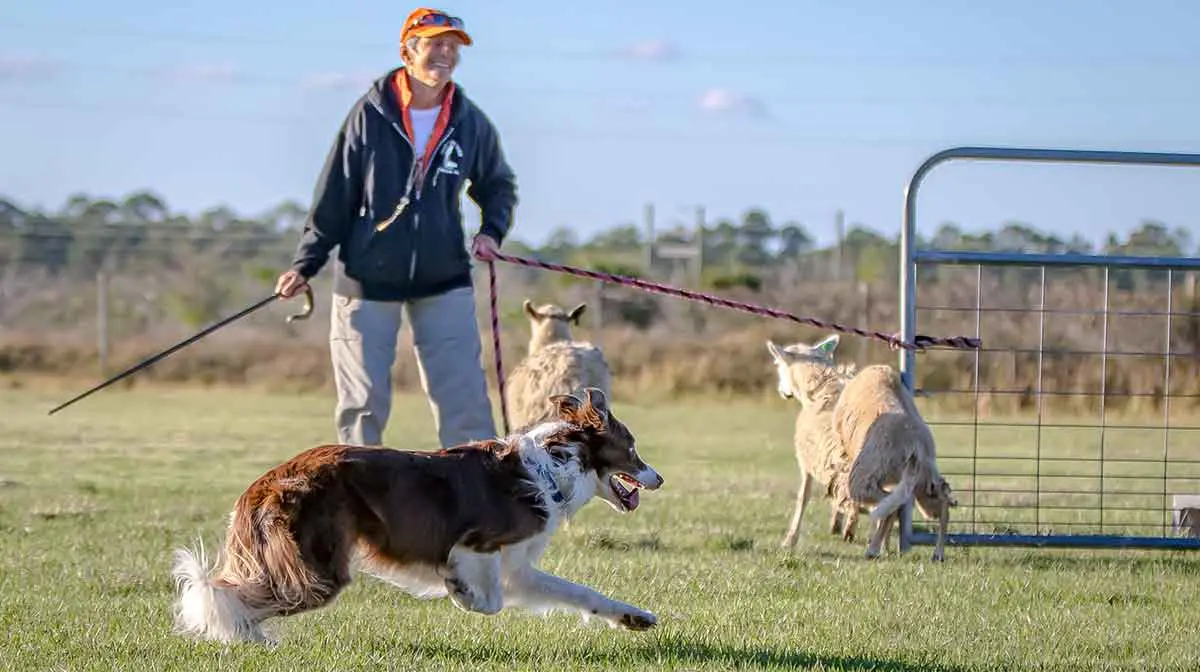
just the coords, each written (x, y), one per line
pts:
(938, 557)
(871, 555)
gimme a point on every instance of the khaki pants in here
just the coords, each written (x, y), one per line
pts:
(362, 347)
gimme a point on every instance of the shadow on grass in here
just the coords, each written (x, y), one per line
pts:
(1185, 563)
(1176, 562)
(674, 650)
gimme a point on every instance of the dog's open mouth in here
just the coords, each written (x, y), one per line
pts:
(628, 496)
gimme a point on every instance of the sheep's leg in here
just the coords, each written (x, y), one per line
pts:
(789, 541)
(905, 514)
(873, 522)
(877, 533)
(851, 523)
(881, 530)
(939, 550)
(887, 531)
(841, 519)
(887, 508)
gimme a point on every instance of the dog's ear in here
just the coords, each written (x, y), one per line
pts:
(597, 401)
(573, 316)
(530, 310)
(566, 406)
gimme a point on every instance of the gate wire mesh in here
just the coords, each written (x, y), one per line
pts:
(1075, 424)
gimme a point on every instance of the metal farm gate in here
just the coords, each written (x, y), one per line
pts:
(1078, 422)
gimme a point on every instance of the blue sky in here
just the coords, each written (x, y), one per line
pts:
(803, 108)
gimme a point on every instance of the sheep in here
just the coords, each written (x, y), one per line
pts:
(809, 374)
(887, 443)
(554, 364)
(550, 324)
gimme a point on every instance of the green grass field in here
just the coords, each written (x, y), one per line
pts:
(93, 500)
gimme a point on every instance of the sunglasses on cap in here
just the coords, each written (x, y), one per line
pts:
(438, 20)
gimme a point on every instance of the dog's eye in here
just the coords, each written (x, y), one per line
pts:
(560, 455)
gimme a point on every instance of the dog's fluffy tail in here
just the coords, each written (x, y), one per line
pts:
(262, 573)
(211, 609)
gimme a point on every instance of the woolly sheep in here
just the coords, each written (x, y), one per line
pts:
(887, 445)
(809, 374)
(555, 364)
(550, 324)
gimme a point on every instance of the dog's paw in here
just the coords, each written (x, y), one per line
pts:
(470, 599)
(639, 620)
(460, 595)
(463, 597)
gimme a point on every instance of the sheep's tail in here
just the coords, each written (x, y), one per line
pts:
(902, 493)
(211, 609)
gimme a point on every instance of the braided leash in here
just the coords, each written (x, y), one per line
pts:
(496, 345)
(920, 342)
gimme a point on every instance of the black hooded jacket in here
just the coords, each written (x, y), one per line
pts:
(390, 247)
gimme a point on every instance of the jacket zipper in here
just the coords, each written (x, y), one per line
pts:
(404, 201)
(445, 136)
(412, 265)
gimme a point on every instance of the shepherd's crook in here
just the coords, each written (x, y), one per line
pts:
(303, 314)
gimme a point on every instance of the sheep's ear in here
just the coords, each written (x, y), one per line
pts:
(828, 345)
(529, 309)
(774, 350)
(573, 316)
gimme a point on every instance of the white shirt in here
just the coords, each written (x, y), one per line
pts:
(422, 127)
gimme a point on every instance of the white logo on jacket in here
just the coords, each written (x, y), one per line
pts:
(451, 153)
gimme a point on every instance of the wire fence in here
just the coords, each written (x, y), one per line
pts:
(1116, 458)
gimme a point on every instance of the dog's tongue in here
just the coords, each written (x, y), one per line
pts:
(631, 499)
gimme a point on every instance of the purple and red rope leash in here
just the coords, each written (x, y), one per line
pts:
(921, 342)
(496, 344)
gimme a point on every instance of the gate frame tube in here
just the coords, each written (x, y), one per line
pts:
(910, 256)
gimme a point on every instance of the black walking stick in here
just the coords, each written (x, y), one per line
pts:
(303, 314)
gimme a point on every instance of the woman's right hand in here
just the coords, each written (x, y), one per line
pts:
(290, 283)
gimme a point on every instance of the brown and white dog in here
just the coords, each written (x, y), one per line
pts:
(469, 522)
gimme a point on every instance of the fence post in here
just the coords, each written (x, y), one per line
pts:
(839, 225)
(864, 314)
(598, 315)
(648, 222)
(102, 320)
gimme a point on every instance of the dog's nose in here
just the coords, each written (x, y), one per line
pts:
(655, 481)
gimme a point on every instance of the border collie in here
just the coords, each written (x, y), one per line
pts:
(469, 522)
